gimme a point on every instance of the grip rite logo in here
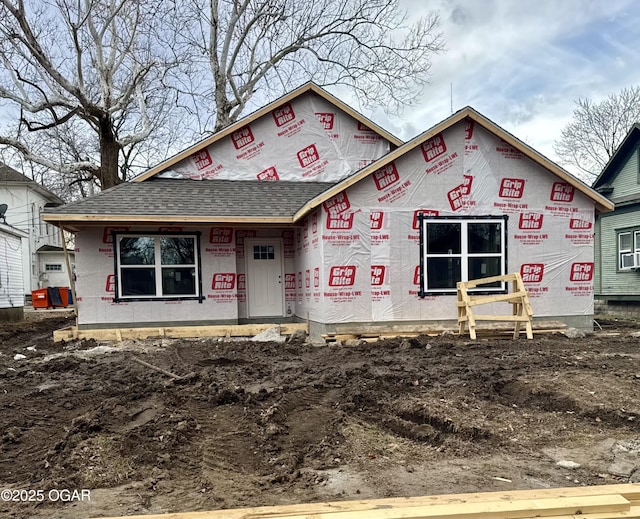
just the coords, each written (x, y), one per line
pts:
(579, 224)
(202, 159)
(290, 281)
(511, 188)
(377, 275)
(342, 276)
(339, 222)
(468, 129)
(107, 234)
(467, 182)
(386, 176)
(338, 204)
(307, 278)
(433, 148)
(316, 277)
(455, 196)
(243, 137)
(377, 219)
(110, 287)
(223, 281)
(308, 156)
(562, 192)
(242, 281)
(530, 221)
(221, 235)
(268, 174)
(326, 119)
(532, 272)
(424, 212)
(364, 128)
(581, 272)
(416, 275)
(283, 115)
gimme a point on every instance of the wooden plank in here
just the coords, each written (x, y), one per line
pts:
(473, 283)
(65, 334)
(477, 502)
(514, 318)
(512, 297)
(516, 509)
(393, 328)
(111, 334)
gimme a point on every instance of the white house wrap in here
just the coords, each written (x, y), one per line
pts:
(328, 235)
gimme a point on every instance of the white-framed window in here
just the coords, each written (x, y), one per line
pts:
(461, 249)
(629, 249)
(155, 266)
(53, 267)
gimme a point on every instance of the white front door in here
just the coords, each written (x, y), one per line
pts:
(265, 276)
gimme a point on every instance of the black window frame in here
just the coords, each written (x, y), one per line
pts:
(423, 221)
(198, 296)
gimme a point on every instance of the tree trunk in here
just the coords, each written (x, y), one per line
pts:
(109, 153)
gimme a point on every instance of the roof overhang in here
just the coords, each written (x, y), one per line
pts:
(74, 222)
(602, 203)
(627, 145)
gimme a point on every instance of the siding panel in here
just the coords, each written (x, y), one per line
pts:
(11, 283)
(626, 182)
(612, 281)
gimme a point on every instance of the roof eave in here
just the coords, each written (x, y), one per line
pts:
(61, 219)
(630, 140)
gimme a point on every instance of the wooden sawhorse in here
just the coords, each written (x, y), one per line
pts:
(518, 297)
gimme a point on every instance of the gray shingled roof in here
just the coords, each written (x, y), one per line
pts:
(189, 198)
(8, 174)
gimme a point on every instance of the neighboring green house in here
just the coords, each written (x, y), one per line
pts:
(617, 243)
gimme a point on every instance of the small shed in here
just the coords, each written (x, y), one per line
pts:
(307, 211)
(53, 266)
(11, 281)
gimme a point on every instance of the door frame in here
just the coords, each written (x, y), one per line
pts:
(248, 246)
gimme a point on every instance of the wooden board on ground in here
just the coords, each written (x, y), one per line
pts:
(595, 502)
(119, 334)
(373, 333)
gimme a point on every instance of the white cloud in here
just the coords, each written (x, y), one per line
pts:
(523, 64)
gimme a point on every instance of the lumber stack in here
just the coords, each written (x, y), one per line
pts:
(493, 330)
(173, 332)
(518, 298)
(596, 502)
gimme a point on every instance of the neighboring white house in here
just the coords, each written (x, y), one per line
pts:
(11, 284)
(26, 201)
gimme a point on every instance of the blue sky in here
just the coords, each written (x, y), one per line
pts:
(523, 63)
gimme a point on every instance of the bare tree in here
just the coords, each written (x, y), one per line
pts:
(596, 130)
(84, 83)
(271, 46)
(81, 83)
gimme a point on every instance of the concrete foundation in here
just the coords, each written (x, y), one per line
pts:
(12, 314)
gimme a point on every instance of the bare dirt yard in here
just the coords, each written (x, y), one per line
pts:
(251, 423)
